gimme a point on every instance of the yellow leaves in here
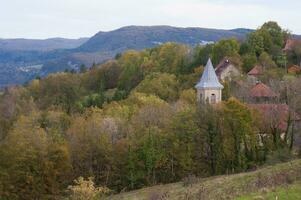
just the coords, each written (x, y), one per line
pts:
(27, 128)
(235, 104)
(199, 70)
(130, 57)
(86, 190)
(188, 96)
(118, 110)
(141, 99)
(34, 86)
(163, 85)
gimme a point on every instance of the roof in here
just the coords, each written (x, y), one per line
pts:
(209, 79)
(222, 66)
(289, 44)
(294, 69)
(262, 90)
(277, 112)
(256, 71)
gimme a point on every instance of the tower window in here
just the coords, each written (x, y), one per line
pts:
(213, 99)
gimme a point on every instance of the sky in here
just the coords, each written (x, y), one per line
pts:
(40, 19)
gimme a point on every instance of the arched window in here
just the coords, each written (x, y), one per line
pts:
(213, 98)
(201, 97)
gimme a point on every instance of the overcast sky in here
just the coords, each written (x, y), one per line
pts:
(84, 18)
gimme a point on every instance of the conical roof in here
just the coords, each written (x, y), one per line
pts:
(209, 79)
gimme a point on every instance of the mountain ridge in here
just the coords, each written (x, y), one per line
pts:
(49, 44)
(148, 35)
(19, 57)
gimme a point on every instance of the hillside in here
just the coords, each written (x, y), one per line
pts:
(140, 37)
(137, 121)
(252, 185)
(40, 45)
(25, 59)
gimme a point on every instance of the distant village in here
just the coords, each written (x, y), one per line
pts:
(257, 94)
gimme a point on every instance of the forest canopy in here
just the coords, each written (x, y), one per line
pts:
(134, 121)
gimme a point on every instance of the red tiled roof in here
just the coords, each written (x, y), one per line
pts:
(262, 90)
(294, 69)
(256, 71)
(278, 113)
(289, 44)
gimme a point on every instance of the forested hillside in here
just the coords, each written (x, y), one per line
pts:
(21, 60)
(134, 121)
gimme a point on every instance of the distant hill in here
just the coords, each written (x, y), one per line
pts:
(140, 37)
(23, 59)
(40, 45)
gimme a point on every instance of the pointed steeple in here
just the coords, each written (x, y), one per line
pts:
(209, 79)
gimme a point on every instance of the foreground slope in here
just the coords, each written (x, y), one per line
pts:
(284, 177)
(288, 192)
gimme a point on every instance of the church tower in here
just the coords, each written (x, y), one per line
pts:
(209, 89)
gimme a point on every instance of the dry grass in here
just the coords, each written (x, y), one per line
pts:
(220, 187)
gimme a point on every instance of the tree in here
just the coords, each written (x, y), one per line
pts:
(202, 54)
(61, 90)
(32, 166)
(266, 61)
(183, 143)
(212, 148)
(239, 145)
(108, 74)
(223, 48)
(269, 38)
(256, 42)
(249, 61)
(163, 85)
(172, 58)
(132, 73)
(96, 100)
(277, 35)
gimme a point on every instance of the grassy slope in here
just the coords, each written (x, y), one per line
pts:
(225, 187)
(290, 192)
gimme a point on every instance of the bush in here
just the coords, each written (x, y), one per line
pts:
(278, 156)
(86, 190)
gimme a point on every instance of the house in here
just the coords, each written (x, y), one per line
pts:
(289, 45)
(227, 70)
(262, 93)
(255, 73)
(209, 89)
(277, 114)
(280, 118)
(294, 69)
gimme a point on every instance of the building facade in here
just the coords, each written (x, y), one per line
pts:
(226, 70)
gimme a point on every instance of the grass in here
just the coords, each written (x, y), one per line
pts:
(291, 192)
(227, 187)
